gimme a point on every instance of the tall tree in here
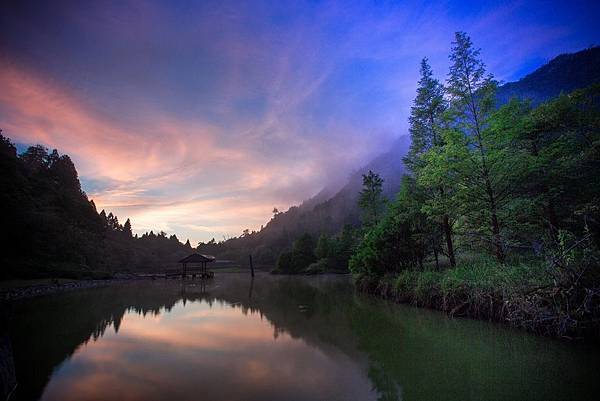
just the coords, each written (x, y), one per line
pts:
(426, 124)
(471, 94)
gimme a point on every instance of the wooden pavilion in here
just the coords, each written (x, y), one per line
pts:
(196, 260)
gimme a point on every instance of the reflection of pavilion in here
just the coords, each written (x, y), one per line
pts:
(196, 260)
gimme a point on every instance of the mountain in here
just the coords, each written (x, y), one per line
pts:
(564, 73)
(328, 213)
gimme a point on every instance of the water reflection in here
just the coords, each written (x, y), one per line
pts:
(276, 338)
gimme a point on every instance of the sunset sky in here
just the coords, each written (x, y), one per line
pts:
(197, 118)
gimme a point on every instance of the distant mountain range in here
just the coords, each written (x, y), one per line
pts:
(328, 212)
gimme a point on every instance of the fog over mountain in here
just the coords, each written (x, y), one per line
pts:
(329, 210)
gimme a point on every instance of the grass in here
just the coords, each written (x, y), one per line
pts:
(521, 293)
(473, 276)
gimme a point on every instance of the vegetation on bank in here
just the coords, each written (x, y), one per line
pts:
(514, 183)
(330, 254)
(524, 294)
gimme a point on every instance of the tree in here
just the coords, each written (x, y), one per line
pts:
(559, 142)
(426, 117)
(35, 157)
(127, 229)
(303, 252)
(371, 200)
(299, 258)
(426, 126)
(471, 94)
(323, 248)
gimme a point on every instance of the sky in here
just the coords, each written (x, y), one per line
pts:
(198, 118)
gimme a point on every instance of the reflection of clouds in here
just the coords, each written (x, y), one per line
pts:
(198, 352)
(198, 330)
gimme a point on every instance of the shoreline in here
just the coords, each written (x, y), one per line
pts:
(516, 311)
(40, 287)
(35, 290)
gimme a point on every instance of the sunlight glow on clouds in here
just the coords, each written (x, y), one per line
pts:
(199, 119)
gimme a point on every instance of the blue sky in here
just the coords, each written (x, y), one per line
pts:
(199, 117)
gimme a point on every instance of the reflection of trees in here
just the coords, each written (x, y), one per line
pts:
(430, 356)
(47, 330)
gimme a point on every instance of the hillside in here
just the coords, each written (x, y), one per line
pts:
(564, 73)
(52, 229)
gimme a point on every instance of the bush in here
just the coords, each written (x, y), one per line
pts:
(299, 258)
(320, 266)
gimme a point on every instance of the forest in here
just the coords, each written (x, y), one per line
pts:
(52, 229)
(498, 217)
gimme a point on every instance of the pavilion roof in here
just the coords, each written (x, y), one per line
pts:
(197, 258)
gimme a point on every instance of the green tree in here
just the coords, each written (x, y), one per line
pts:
(475, 149)
(324, 245)
(426, 126)
(371, 199)
(560, 140)
(303, 252)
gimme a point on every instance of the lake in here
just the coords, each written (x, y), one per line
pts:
(277, 338)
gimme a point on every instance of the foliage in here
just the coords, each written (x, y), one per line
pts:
(299, 258)
(51, 228)
(514, 182)
(427, 123)
(324, 247)
(397, 242)
(371, 200)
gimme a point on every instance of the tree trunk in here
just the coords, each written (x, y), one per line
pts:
(495, 225)
(449, 244)
(497, 239)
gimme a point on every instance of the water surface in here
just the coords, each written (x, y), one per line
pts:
(277, 338)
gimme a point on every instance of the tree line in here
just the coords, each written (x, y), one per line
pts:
(510, 181)
(52, 229)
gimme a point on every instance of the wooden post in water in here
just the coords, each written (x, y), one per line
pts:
(251, 265)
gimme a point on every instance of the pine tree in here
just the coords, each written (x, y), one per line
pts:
(471, 94)
(426, 117)
(127, 229)
(426, 123)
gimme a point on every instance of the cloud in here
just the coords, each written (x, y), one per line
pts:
(203, 117)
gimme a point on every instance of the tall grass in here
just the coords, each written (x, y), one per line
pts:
(520, 293)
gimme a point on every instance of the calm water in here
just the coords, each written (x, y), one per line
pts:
(277, 338)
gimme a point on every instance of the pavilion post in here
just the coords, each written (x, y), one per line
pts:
(251, 265)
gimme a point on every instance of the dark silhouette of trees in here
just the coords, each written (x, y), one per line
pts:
(51, 228)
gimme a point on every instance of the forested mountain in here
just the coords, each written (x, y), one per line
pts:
(317, 215)
(50, 227)
(564, 73)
